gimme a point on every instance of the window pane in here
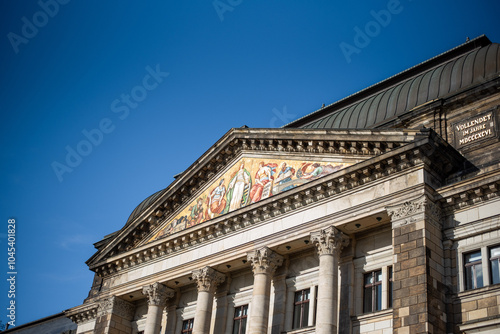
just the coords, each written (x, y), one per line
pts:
(495, 272)
(305, 315)
(479, 275)
(473, 257)
(306, 294)
(296, 316)
(495, 252)
(378, 297)
(236, 327)
(378, 276)
(390, 286)
(243, 325)
(469, 278)
(367, 300)
(368, 279)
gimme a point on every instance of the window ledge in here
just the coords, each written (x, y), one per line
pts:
(368, 316)
(477, 292)
(301, 331)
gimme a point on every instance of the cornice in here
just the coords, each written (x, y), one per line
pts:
(397, 160)
(469, 192)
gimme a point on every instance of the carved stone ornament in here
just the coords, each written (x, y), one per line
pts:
(115, 305)
(83, 315)
(264, 261)
(157, 294)
(208, 279)
(406, 210)
(329, 241)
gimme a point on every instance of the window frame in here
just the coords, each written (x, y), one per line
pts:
(474, 265)
(241, 319)
(303, 321)
(189, 323)
(492, 259)
(374, 286)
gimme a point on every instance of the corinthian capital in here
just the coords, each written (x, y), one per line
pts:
(264, 261)
(208, 279)
(157, 294)
(329, 241)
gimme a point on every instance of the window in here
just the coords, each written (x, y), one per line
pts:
(372, 296)
(187, 326)
(301, 308)
(240, 319)
(473, 270)
(495, 264)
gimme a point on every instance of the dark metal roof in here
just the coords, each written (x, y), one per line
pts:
(143, 206)
(470, 64)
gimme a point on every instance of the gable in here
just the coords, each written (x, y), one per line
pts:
(161, 216)
(249, 180)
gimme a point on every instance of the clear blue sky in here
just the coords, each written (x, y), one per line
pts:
(84, 68)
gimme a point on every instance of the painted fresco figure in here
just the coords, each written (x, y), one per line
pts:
(196, 215)
(237, 194)
(263, 176)
(314, 170)
(216, 203)
(285, 175)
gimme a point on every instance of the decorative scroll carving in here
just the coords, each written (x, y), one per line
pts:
(83, 316)
(116, 306)
(208, 279)
(329, 241)
(157, 294)
(264, 261)
(405, 211)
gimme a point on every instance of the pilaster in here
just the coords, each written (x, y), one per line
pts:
(114, 315)
(419, 291)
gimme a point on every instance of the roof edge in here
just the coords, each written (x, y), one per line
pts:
(457, 51)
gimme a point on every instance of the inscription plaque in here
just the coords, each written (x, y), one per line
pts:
(474, 129)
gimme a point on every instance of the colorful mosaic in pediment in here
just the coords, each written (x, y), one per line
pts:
(248, 181)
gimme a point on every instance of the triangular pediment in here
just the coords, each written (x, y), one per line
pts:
(251, 179)
(244, 167)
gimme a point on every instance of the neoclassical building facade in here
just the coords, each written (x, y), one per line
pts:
(379, 213)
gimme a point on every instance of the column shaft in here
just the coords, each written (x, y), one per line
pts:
(259, 315)
(329, 243)
(153, 321)
(203, 313)
(327, 297)
(207, 280)
(264, 263)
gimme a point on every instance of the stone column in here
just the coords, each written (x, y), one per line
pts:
(157, 295)
(207, 280)
(264, 262)
(114, 315)
(329, 242)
